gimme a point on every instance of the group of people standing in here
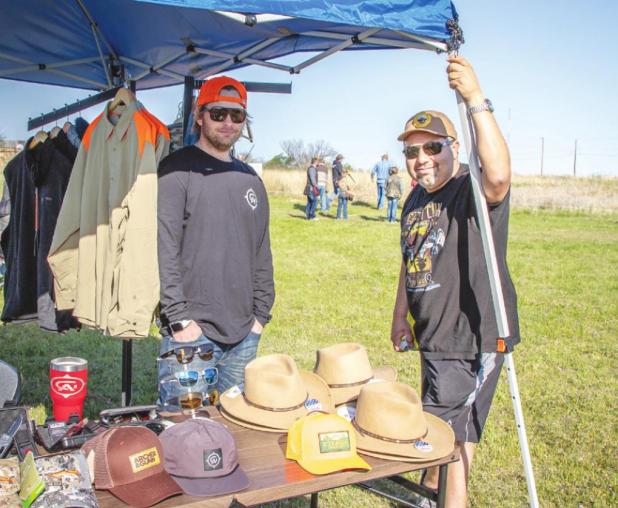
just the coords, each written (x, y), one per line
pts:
(388, 184)
(315, 188)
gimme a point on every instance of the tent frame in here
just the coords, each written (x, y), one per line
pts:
(497, 297)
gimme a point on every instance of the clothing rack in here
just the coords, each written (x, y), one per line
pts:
(75, 107)
(56, 114)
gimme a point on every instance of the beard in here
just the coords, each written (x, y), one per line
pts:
(218, 140)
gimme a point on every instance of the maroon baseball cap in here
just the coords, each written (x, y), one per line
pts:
(128, 461)
(200, 454)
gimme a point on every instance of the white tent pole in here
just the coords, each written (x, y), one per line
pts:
(496, 292)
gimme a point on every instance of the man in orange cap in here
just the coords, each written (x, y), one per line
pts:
(443, 281)
(215, 262)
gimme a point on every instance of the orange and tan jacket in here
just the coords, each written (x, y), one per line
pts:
(104, 252)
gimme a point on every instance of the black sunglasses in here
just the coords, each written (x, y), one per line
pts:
(430, 148)
(220, 114)
(185, 354)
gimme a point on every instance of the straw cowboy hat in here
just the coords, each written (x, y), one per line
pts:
(390, 422)
(275, 395)
(346, 369)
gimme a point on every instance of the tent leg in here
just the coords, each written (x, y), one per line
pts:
(497, 295)
(187, 104)
(127, 365)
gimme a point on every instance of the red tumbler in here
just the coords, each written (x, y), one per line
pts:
(68, 384)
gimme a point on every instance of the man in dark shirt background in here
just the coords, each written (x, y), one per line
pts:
(443, 280)
(215, 262)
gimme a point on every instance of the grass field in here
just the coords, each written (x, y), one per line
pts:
(335, 282)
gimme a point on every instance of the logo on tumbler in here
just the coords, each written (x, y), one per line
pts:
(67, 386)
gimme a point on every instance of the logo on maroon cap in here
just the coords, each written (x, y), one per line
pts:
(213, 459)
(66, 386)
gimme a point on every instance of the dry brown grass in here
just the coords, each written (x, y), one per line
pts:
(590, 194)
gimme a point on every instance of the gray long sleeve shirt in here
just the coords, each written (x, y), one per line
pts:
(215, 262)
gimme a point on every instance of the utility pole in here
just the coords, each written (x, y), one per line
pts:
(542, 153)
(575, 160)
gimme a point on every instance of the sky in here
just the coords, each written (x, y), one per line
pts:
(549, 67)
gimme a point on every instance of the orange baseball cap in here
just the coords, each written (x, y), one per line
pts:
(324, 443)
(211, 91)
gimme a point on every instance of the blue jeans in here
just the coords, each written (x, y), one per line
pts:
(381, 192)
(342, 207)
(324, 201)
(392, 209)
(312, 205)
(230, 360)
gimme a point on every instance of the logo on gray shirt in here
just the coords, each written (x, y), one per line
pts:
(251, 198)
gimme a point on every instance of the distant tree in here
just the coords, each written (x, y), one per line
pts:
(280, 160)
(321, 149)
(300, 156)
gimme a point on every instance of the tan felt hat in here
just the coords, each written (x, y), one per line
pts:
(390, 420)
(346, 369)
(433, 122)
(250, 425)
(276, 393)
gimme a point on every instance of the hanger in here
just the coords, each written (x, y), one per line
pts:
(123, 96)
(54, 132)
(39, 137)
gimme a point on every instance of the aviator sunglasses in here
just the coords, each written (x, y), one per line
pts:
(218, 114)
(430, 148)
(185, 354)
(191, 377)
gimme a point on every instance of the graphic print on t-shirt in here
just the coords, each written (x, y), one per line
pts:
(421, 241)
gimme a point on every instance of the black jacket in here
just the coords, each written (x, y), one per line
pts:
(37, 180)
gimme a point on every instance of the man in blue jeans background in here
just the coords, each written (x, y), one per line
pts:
(215, 262)
(381, 172)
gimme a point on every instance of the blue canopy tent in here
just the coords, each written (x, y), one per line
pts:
(96, 45)
(99, 45)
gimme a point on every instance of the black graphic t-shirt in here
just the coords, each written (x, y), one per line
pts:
(447, 283)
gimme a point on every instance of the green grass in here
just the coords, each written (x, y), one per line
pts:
(335, 282)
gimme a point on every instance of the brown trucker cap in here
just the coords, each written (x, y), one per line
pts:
(433, 122)
(128, 461)
(201, 456)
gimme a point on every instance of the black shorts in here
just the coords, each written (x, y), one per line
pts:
(460, 392)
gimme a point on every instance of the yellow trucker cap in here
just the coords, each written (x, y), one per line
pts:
(324, 443)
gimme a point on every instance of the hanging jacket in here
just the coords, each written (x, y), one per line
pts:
(47, 168)
(18, 243)
(104, 250)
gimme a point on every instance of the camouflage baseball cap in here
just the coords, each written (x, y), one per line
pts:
(67, 482)
(9, 483)
(9, 476)
(433, 122)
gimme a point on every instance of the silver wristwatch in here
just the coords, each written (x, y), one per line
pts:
(486, 105)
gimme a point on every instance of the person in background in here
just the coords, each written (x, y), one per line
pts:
(394, 191)
(215, 262)
(322, 172)
(443, 278)
(345, 194)
(311, 189)
(336, 175)
(380, 172)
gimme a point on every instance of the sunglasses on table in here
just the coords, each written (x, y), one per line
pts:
(185, 354)
(218, 114)
(430, 148)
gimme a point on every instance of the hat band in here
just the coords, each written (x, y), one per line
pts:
(388, 439)
(276, 409)
(357, 383)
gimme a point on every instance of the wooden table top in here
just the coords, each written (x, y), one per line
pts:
(273, 477)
